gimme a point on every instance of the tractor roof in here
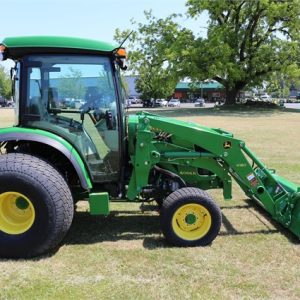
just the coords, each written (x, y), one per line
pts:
(19, 46)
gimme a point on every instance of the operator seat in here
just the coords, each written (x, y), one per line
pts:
(94, 101)
(92, 97)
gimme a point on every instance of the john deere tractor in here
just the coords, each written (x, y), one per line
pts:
(72, 141)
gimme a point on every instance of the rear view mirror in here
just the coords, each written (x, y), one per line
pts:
(12, 73)
(122, 63)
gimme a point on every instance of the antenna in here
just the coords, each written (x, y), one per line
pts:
(116, 50)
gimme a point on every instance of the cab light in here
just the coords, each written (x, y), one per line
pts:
(2, 49)
(121, 52)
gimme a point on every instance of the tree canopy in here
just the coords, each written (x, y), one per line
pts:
(280, 82)
(152, 55)
(71, 86)
(247, 41)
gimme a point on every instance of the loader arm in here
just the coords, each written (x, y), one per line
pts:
(207, 158)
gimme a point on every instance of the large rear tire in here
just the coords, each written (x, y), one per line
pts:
(190, 217)
(36, 206)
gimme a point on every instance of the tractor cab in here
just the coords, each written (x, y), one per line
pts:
(71, 87)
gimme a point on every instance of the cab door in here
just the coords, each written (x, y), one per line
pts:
(75, 97)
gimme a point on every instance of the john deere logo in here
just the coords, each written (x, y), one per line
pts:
(227, 145)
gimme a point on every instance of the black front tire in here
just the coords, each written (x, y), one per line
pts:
(49, 205)
(190, 217)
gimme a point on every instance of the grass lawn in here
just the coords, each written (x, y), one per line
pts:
(124, 256)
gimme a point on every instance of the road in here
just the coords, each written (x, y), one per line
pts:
(207, 105)
(182, 105)
(292, 105)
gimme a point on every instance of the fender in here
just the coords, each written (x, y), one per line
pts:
(60, 144)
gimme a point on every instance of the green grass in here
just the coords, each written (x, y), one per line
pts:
(124, 256)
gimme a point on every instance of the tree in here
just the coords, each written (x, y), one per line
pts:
(71, 86)
(153, 56)
(247, 40)
(5, 84)
(154, 82)
(279, 83)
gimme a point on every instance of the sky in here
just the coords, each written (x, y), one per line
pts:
(85, 18)
(96, 19)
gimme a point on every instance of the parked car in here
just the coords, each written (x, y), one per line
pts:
(10, 103)
(127, 103)
(134, 100)
(200, 102)
(3, 102)
(148, 103)
(174, 103)
(161, 102)
(76, 103)
(65, 103)
(265, 98)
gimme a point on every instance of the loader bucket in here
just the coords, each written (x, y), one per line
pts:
(279, 196)
(292, 201)
(295, 222)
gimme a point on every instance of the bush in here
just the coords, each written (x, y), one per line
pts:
(260, 104)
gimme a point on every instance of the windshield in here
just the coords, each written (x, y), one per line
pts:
(74, 96)
(70, 82)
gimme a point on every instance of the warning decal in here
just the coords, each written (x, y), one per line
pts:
(252, 179)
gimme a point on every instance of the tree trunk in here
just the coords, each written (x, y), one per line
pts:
(231, 91)
(231, 94)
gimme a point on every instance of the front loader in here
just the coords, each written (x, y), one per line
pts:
(73, 141)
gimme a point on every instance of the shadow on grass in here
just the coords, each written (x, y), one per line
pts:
(261, 215)
(118, 226)
(235, 111)
(133, 225)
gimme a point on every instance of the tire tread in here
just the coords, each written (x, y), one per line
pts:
(174, 200)
(53, 184)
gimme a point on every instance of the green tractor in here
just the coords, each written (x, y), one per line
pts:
(72, 141)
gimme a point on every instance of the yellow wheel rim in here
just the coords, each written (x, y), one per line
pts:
(17, 213)
(191, 222)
